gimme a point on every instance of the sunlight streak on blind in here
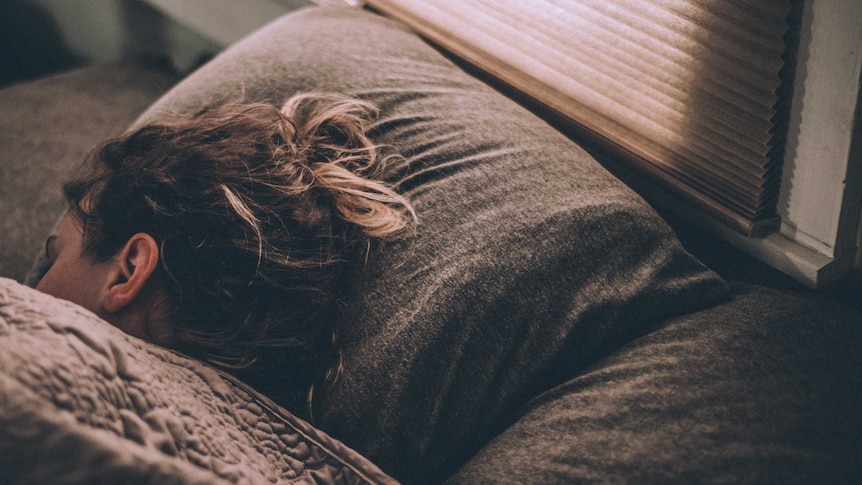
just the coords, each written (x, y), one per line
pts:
(688, 89)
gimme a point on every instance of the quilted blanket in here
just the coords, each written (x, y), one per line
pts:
(81, 402)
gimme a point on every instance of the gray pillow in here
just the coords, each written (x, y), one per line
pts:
(530, 261)
(47, 127)
(762, 389)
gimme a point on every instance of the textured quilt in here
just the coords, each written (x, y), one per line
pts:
(81, 402)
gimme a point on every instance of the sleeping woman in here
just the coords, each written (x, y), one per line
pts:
(230, 236)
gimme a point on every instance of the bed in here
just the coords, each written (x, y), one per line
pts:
(544, 324)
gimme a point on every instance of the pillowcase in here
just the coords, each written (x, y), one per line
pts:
(47, 128)
(764, 388)
(529, 263)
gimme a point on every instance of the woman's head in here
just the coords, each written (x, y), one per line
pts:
(252, 215)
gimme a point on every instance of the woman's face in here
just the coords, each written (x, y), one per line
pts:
(105, 288)
(72, 276)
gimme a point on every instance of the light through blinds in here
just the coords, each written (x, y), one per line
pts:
(690, 91)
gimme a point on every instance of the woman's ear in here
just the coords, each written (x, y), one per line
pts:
(133, 268)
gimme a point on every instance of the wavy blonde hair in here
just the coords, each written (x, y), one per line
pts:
(261, 214)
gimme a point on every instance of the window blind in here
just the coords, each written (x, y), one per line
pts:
(693, 93)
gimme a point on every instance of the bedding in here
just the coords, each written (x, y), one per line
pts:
(764, 388)
(544, 324)
(81, 403)
(530, 260)
(47, 127)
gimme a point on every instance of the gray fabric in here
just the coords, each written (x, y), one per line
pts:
(81, 403)
(46, 129)
(530, 261)
(766, 388)
(531, 267)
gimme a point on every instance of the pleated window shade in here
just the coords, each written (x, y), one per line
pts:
(689, 91)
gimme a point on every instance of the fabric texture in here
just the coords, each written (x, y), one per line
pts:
(81, 403)
(533, 272)
(530, 261)
(47, 128)
(766, 388)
